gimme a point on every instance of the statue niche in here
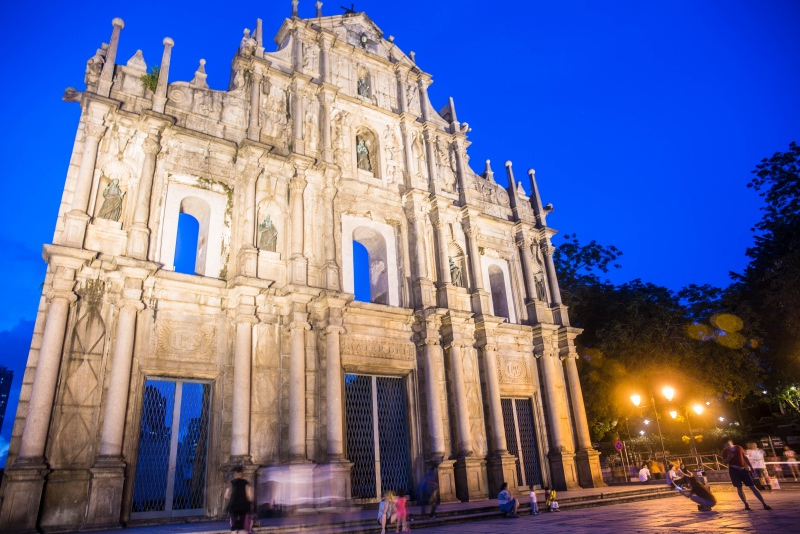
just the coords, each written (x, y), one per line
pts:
(364, 83)
(367, 152)
(267, 235)
(455, 273)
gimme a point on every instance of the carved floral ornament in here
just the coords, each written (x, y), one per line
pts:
(513, 369)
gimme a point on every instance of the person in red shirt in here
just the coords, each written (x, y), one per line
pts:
(740, 470)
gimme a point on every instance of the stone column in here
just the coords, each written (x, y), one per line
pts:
(432, 352)
(140, 233)
(325, 125)
(119, 379)
(335, 423)
(402, 93)
(298, 274)
(444, 256)
(77, 218)
(107, 75)
(297, 391)
(430, 152)
(331, 268)
(499, 445)
(242, 375)
(552, 280)
(527, 268)
(107, 476)
(40, 406)
(562, 460)
(586, 457)
(253, 130)
(463, 430)
(160, 96)
(325, 59)
(24, 481)
(248, 253)
(480, 297)
(297, 116)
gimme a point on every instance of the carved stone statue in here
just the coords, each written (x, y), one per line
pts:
(363, 87)
(267, 235)
(363, 156)
(112, 203)
(540, 290)
(248, 45)
(94, 67)
(455, 274)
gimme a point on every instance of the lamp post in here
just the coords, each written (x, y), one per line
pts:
(669, 393)
(698, 409)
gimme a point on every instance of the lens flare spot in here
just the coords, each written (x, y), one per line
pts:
(698, 331)
(732, 340)
(727, 322)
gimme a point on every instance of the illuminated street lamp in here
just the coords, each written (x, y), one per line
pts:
(647, 421)
(721, 419)
(668, 393)
(673, 414)
(698, 409)
(641, 432)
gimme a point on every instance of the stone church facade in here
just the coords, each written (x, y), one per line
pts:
(144, 386)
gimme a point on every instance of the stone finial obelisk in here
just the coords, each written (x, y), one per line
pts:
(107, 75)
(512, 185)
(319, 9)
(160, 96)
(453, 118)
(294, 8)
(536, 200)
(489, 173)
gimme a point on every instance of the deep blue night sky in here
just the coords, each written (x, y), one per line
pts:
(642, 119)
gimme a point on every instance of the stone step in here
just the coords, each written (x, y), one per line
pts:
(475, 513)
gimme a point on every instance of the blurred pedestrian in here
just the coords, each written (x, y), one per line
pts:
(740, 469)
(239, 495)
(429, 493)
(644, 473)
(402, 512)
(791, 461)
(550, 499)
(756, 457)
(508, 505)
(534, 503)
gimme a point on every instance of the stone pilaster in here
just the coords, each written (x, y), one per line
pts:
(297, 387)
(480, 297)
(253, 128)
(416, 210)
(248, 253)
(298, 262)
(242, 374)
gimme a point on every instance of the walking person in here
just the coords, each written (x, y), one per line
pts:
(791, 461)
(739, 468)
(508, 504)
(239, 495)
(534, 502)
(429, 493)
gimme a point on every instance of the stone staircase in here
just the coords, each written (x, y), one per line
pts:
(364, 521)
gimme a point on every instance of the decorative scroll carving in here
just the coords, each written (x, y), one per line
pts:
(513, 370)
(378, 349)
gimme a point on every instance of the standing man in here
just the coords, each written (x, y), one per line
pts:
(756, 457)
(740, 468)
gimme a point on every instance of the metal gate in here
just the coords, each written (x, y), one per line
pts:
(377, 435)
(521, 440)
(170, 479)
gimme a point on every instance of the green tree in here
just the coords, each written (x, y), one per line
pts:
(770, 285)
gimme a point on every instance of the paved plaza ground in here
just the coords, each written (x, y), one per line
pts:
(674, 514)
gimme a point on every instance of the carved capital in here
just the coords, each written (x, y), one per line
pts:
(126, 302)
(333, 329)
(61, 294)
(94, 131)
(151, 145)
(302, 325)
(298, 184)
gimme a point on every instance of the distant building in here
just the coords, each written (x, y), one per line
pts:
(6, 377)
(148, 386)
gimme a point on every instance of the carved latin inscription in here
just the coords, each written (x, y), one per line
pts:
(378, 349)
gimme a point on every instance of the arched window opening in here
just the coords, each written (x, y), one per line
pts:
(361, 272)
(199, 210)
(497, 284)
(374, 245)
(186, 244)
